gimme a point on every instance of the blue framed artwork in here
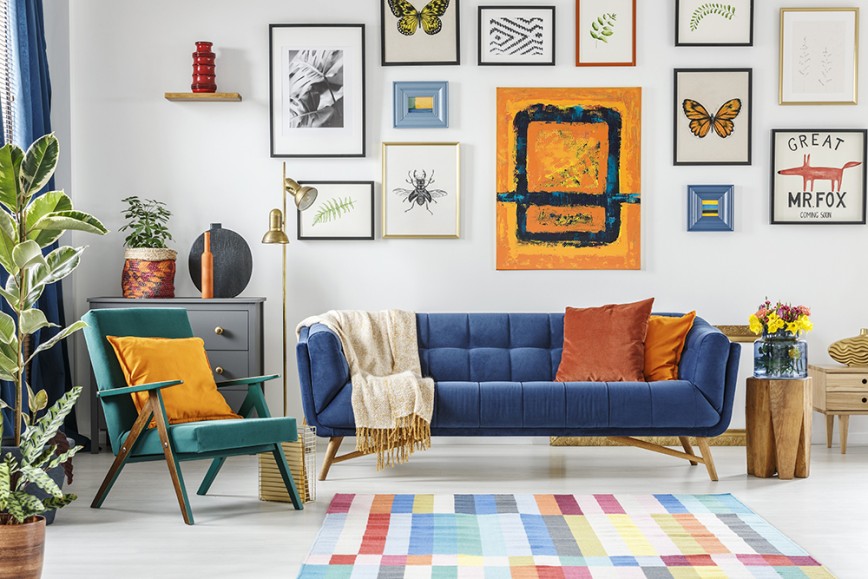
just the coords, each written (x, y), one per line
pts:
(421, 105)
(709, 207)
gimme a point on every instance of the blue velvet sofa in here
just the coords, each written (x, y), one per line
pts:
(494, 376)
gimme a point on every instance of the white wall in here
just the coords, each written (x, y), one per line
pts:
(210, 162)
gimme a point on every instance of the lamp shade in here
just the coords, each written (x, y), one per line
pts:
(275, 233)
(303, 195)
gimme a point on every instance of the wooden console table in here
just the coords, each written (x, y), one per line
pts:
(839, 391)
(778, 418)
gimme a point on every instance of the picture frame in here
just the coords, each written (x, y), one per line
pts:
(421, 105)
(420, 32)
(605, 32)
(516, 36)
(710, 207)
(705, 23)
(819, 56)
(818, 176)
(421, 190)
(713, 112)
(309, 116)
(342, 210)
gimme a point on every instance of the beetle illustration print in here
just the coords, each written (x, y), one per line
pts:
(420, 194)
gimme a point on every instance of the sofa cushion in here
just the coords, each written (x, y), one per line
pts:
(664, 343)
(605, 343)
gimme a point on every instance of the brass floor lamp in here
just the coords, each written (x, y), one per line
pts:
(303, 197)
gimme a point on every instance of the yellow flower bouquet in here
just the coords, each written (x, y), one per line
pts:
(779, 353)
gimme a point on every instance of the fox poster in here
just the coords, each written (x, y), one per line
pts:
(818, 176)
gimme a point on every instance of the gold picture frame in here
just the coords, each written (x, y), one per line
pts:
(806, 71)
(421, 190)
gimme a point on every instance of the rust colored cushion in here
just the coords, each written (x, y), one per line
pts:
(605, 344)
(148, 360)
(664, 344)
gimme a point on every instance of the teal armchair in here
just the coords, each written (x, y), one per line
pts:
(131, 440)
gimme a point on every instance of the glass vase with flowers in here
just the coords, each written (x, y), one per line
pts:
(779, 353)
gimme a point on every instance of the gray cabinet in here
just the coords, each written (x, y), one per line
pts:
(232, 329)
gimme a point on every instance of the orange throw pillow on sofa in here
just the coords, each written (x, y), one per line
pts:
(147, 360)
(664, 344)
(605, 344)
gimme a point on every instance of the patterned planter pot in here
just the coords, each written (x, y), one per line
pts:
(149, 273)
(23, 550)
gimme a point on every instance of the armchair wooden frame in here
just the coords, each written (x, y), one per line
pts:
(156, 410)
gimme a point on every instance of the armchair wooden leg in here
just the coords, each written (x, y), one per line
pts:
(171, 461)
(286, 474)
(216, 465)
(331, 452)
(120, 460)
(702, 442)
(685, 444)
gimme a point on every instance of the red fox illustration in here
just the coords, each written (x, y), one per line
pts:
(810, 174)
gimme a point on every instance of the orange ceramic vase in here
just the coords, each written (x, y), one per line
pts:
(207, 269)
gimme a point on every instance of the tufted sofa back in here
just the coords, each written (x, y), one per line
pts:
(490, 347)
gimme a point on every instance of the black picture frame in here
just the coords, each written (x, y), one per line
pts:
(680, 120)
(319, 185)
(815, 139)
(329, 147)
(389, 20)
(552, 38)
(680, 42)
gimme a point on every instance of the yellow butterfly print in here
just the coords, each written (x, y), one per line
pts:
(701, 121)
(409, 18)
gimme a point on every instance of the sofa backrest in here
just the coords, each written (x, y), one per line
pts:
(495, 347)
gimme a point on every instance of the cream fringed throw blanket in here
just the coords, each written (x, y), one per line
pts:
(392, 402)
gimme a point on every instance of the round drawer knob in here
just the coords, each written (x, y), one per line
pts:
(219, 331)
(864, 380)
(864, 400)
(219, 370)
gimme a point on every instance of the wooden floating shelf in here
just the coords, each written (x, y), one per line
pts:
(207, 97)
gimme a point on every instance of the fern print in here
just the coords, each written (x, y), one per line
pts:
(333, 209)
(708, 9)
(825, 67)
(603, 27)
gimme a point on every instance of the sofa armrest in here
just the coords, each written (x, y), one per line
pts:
(704, 361)
(322, 368)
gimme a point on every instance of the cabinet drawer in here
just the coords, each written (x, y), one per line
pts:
(856, 382)
(221, 329)
(847, 401)
(234, 364)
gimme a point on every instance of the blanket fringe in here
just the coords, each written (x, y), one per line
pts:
(395, 445)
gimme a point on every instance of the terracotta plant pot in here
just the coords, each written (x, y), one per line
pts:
(23, 550)
(149, 273)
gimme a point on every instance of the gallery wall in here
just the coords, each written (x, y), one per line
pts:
(210, 162)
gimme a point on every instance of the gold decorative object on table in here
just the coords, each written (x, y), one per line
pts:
(851, 351)
(301, 455)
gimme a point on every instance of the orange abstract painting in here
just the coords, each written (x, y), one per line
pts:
(568, 178)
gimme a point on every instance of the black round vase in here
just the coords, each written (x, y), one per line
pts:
(233, 262)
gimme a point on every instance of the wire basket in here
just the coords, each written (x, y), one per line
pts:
(301, 457)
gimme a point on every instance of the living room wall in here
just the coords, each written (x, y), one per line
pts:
(210, 162)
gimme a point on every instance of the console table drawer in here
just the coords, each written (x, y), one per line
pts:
(233, 364)
(847, 400)
(856, 382)
(221, 329)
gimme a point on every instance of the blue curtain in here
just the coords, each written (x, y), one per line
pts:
(50, 370)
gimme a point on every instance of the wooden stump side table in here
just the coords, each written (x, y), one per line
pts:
(778, 417)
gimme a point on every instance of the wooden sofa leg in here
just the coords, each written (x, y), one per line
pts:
(685, 444)
(702, 442)
(331, 452)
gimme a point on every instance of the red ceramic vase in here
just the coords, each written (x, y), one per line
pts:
(203, 68)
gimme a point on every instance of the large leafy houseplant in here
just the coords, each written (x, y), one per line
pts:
(29, 224)
(149, 266)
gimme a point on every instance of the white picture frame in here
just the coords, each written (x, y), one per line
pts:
(421, 190)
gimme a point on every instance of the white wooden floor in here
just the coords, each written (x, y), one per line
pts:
(139, 531)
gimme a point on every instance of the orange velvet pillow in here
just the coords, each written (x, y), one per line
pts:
(605, 344)
(147, 360)
(664, 344)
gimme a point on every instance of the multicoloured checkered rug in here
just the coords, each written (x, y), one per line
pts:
(548, 536)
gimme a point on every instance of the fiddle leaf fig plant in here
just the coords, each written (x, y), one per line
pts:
(28, 225)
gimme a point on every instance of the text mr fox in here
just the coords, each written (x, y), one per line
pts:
(810, 174)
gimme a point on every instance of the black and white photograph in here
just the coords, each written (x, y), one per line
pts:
(421, 190)
(516, 35)
(317, 90)
(342, 210)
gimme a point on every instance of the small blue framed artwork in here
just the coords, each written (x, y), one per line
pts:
(421, 105)
(709, 207)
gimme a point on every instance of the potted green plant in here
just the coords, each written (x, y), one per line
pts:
(29, 224)
(149, 266)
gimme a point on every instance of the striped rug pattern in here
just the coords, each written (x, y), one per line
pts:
(551, 536)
